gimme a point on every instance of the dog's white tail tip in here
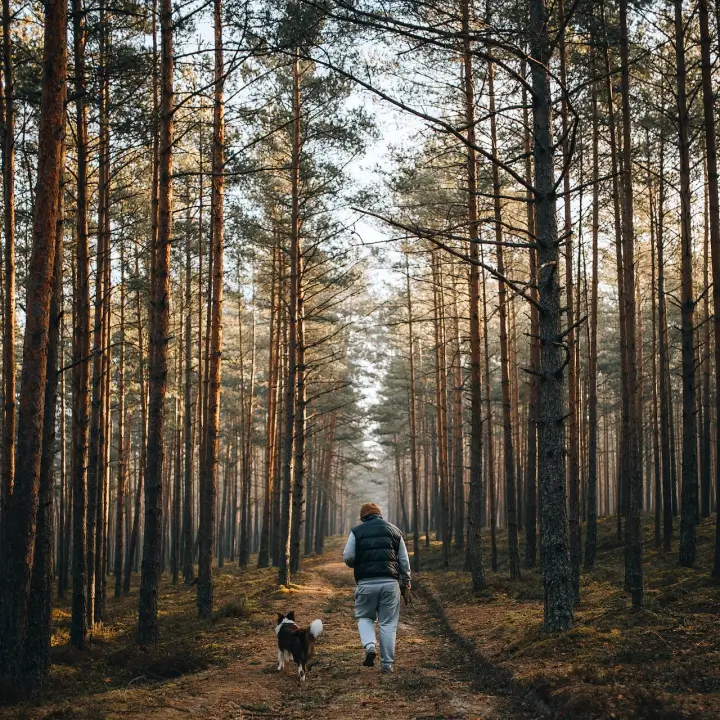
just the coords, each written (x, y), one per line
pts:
(316, 628)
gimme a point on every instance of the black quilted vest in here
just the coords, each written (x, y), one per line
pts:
(377, 544)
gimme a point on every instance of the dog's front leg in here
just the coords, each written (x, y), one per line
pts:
(301, 672)
(281, 660)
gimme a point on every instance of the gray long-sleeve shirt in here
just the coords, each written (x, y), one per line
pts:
(403, 561)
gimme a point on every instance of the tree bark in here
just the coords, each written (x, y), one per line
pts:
(247, 404)
(475, 557)
(557, 572)
(271, 418)
(414, 474)
(655, 430)
(632, 464)
(573, 465)
(592, 504)
(298, 490)
(458, 441)
(121, 457)
(689, 517)
(188, 459)
(64, 515)
(177, 482)
(533, 405)
(208, 479)
(148, 630)
(705, 439)
(134, 533)
(441, 406)
(36, 648)
(714, 217)
(508, 450)
(491, 481)
(9, 322)
(81, 343)
(20, 528)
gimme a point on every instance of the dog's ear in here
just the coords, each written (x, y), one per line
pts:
(291, 615)
(280, 618)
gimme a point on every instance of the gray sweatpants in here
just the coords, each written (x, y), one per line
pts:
(379, 600)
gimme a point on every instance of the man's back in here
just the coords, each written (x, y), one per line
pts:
(377, 545)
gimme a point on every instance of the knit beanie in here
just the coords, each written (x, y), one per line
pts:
(369, 509)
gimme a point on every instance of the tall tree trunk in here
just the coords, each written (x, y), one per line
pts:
(705, 441)
(533, 405)
(208, 478)
(632, 464)
(654, 351)
(271, 418)
(673, 421)
(63, 535)
(557, 572)
(664, 382)
(617, 225)
(81, 343)
(135, 531)
(148, 630)
(97, 425)
(689, 518)
(206, 343)
(188, 459)
(101, 568)
(292, 397)
(243, 428)
(177, 482)
(714, 217)
(592, 509)
(121, 457)
(491, 483)
(247, 403)
(508, 450)
(414, 475)
(458, 441)
(36, 647)
(200, 415)
(8, 163)
(441, 405)
(288, 414)
(94, 474)
(400, 477)
(573, 466)
(19, 530)
(301, 370)
(475, 557)
(223, 506)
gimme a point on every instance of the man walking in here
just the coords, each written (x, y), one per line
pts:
(377, 553)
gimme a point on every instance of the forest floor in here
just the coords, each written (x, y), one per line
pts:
(660, 662)
(227, 668)
(460, 655)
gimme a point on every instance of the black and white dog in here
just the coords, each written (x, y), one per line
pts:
(296, 642)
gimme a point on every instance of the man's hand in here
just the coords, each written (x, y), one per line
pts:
(405, 592)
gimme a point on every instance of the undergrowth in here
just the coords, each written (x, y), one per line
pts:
(662, 661)
(187, 644)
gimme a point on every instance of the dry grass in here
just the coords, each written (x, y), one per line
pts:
(187, 645)
(660, 662)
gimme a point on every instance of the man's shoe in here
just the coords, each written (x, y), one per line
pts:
(370, 656)
(387, 669)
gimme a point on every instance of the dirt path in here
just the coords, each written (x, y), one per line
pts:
(433, 679)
